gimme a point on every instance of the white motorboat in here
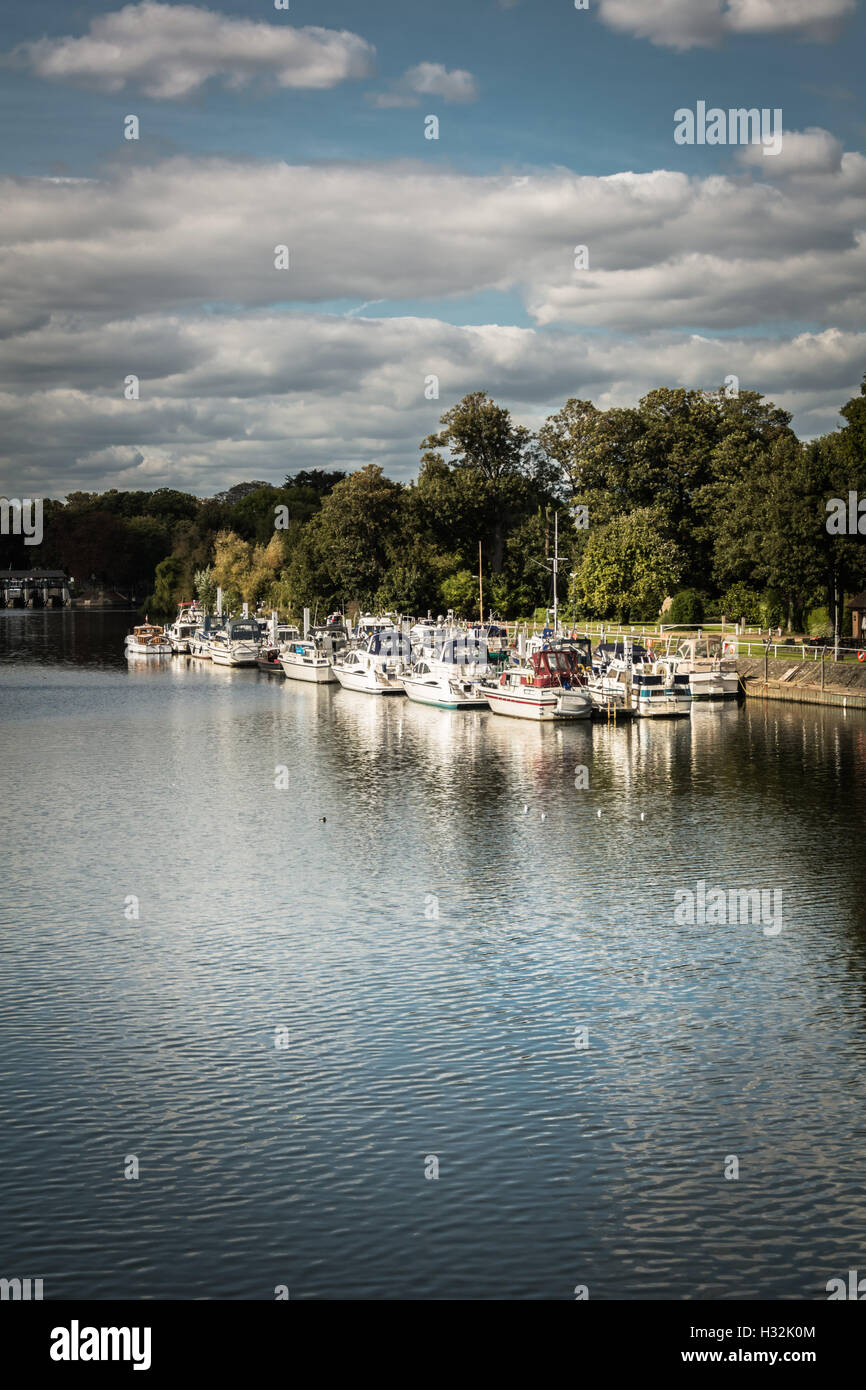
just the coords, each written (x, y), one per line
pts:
(550, 687)
(376, 667)
(428, 637)
(199, 644)
(430, 682)
(711, 670)
(147, 640)
(302, 661)
(237, 644)
(182, 630)
(652, 694)
(449, 678)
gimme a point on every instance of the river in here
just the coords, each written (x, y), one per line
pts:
(441, 948)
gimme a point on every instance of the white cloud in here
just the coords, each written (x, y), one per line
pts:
(257, 395)
(171, 50)
(711, 253)
(812, 18)
(690, 279)
(804, 152)
(686, 24)
(428, 79)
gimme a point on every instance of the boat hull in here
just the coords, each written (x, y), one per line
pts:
(148, 649)
(241, 655)
(437, 696)
(320, 673)
(368, 683)
(541, 705)
(714, 685)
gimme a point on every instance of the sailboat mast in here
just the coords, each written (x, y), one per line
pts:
(480, 588)
(555, 569)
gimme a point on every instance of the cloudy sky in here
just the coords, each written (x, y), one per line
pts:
(409, 257)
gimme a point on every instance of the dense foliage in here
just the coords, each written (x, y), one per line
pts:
(705, 496)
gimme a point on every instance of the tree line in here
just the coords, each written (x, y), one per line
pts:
(706, 497)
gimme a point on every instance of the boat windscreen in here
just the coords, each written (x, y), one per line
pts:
(463, 651)
(391, 642)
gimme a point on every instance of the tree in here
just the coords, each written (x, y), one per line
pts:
(315, 480)
(162, 603)
(352, 535)
(493, 477)
(627, 569)
(481, 436)
(687, 608)
(206, 588)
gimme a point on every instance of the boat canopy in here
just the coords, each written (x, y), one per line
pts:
(242, 630)
(615, 651)
(389, 642)
(464, 650)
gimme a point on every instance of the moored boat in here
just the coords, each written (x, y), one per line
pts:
(182, 630)
(450, 677)
(710, 670)
(237, 644)
(652, 694)
(147, 640)
(302, 661)
(268, 658)
(550, 687)
(376, 668)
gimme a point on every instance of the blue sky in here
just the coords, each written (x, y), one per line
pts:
(749, 263)
(556, 87)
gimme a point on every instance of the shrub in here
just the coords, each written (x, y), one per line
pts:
(771, 610)
(818, 623)
(741, 602)
(687, 609)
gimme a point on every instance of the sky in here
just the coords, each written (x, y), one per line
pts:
(418, 268)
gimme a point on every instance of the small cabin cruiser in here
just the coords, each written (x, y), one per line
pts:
(376, 667)
(147, 640)
(181, 631)
(303, 661)
(652, 694)
(448, 678)
(711, 671)
(550, 687)
(269, 652)
(200, 640)
(237, 644)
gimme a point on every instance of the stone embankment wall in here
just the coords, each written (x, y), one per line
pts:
(799, 682)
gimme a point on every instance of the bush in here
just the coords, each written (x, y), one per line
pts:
(741, 602)
(771, 609)
(818, 623)
(687, 609)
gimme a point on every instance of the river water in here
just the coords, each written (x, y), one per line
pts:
(333, 987)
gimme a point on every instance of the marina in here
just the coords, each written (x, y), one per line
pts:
(544, 676)
(433, 675)
(431, 1007)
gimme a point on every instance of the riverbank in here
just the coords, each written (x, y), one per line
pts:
(843, 684)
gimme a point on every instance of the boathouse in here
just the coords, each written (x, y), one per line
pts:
(857, 605)
(34, 589)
